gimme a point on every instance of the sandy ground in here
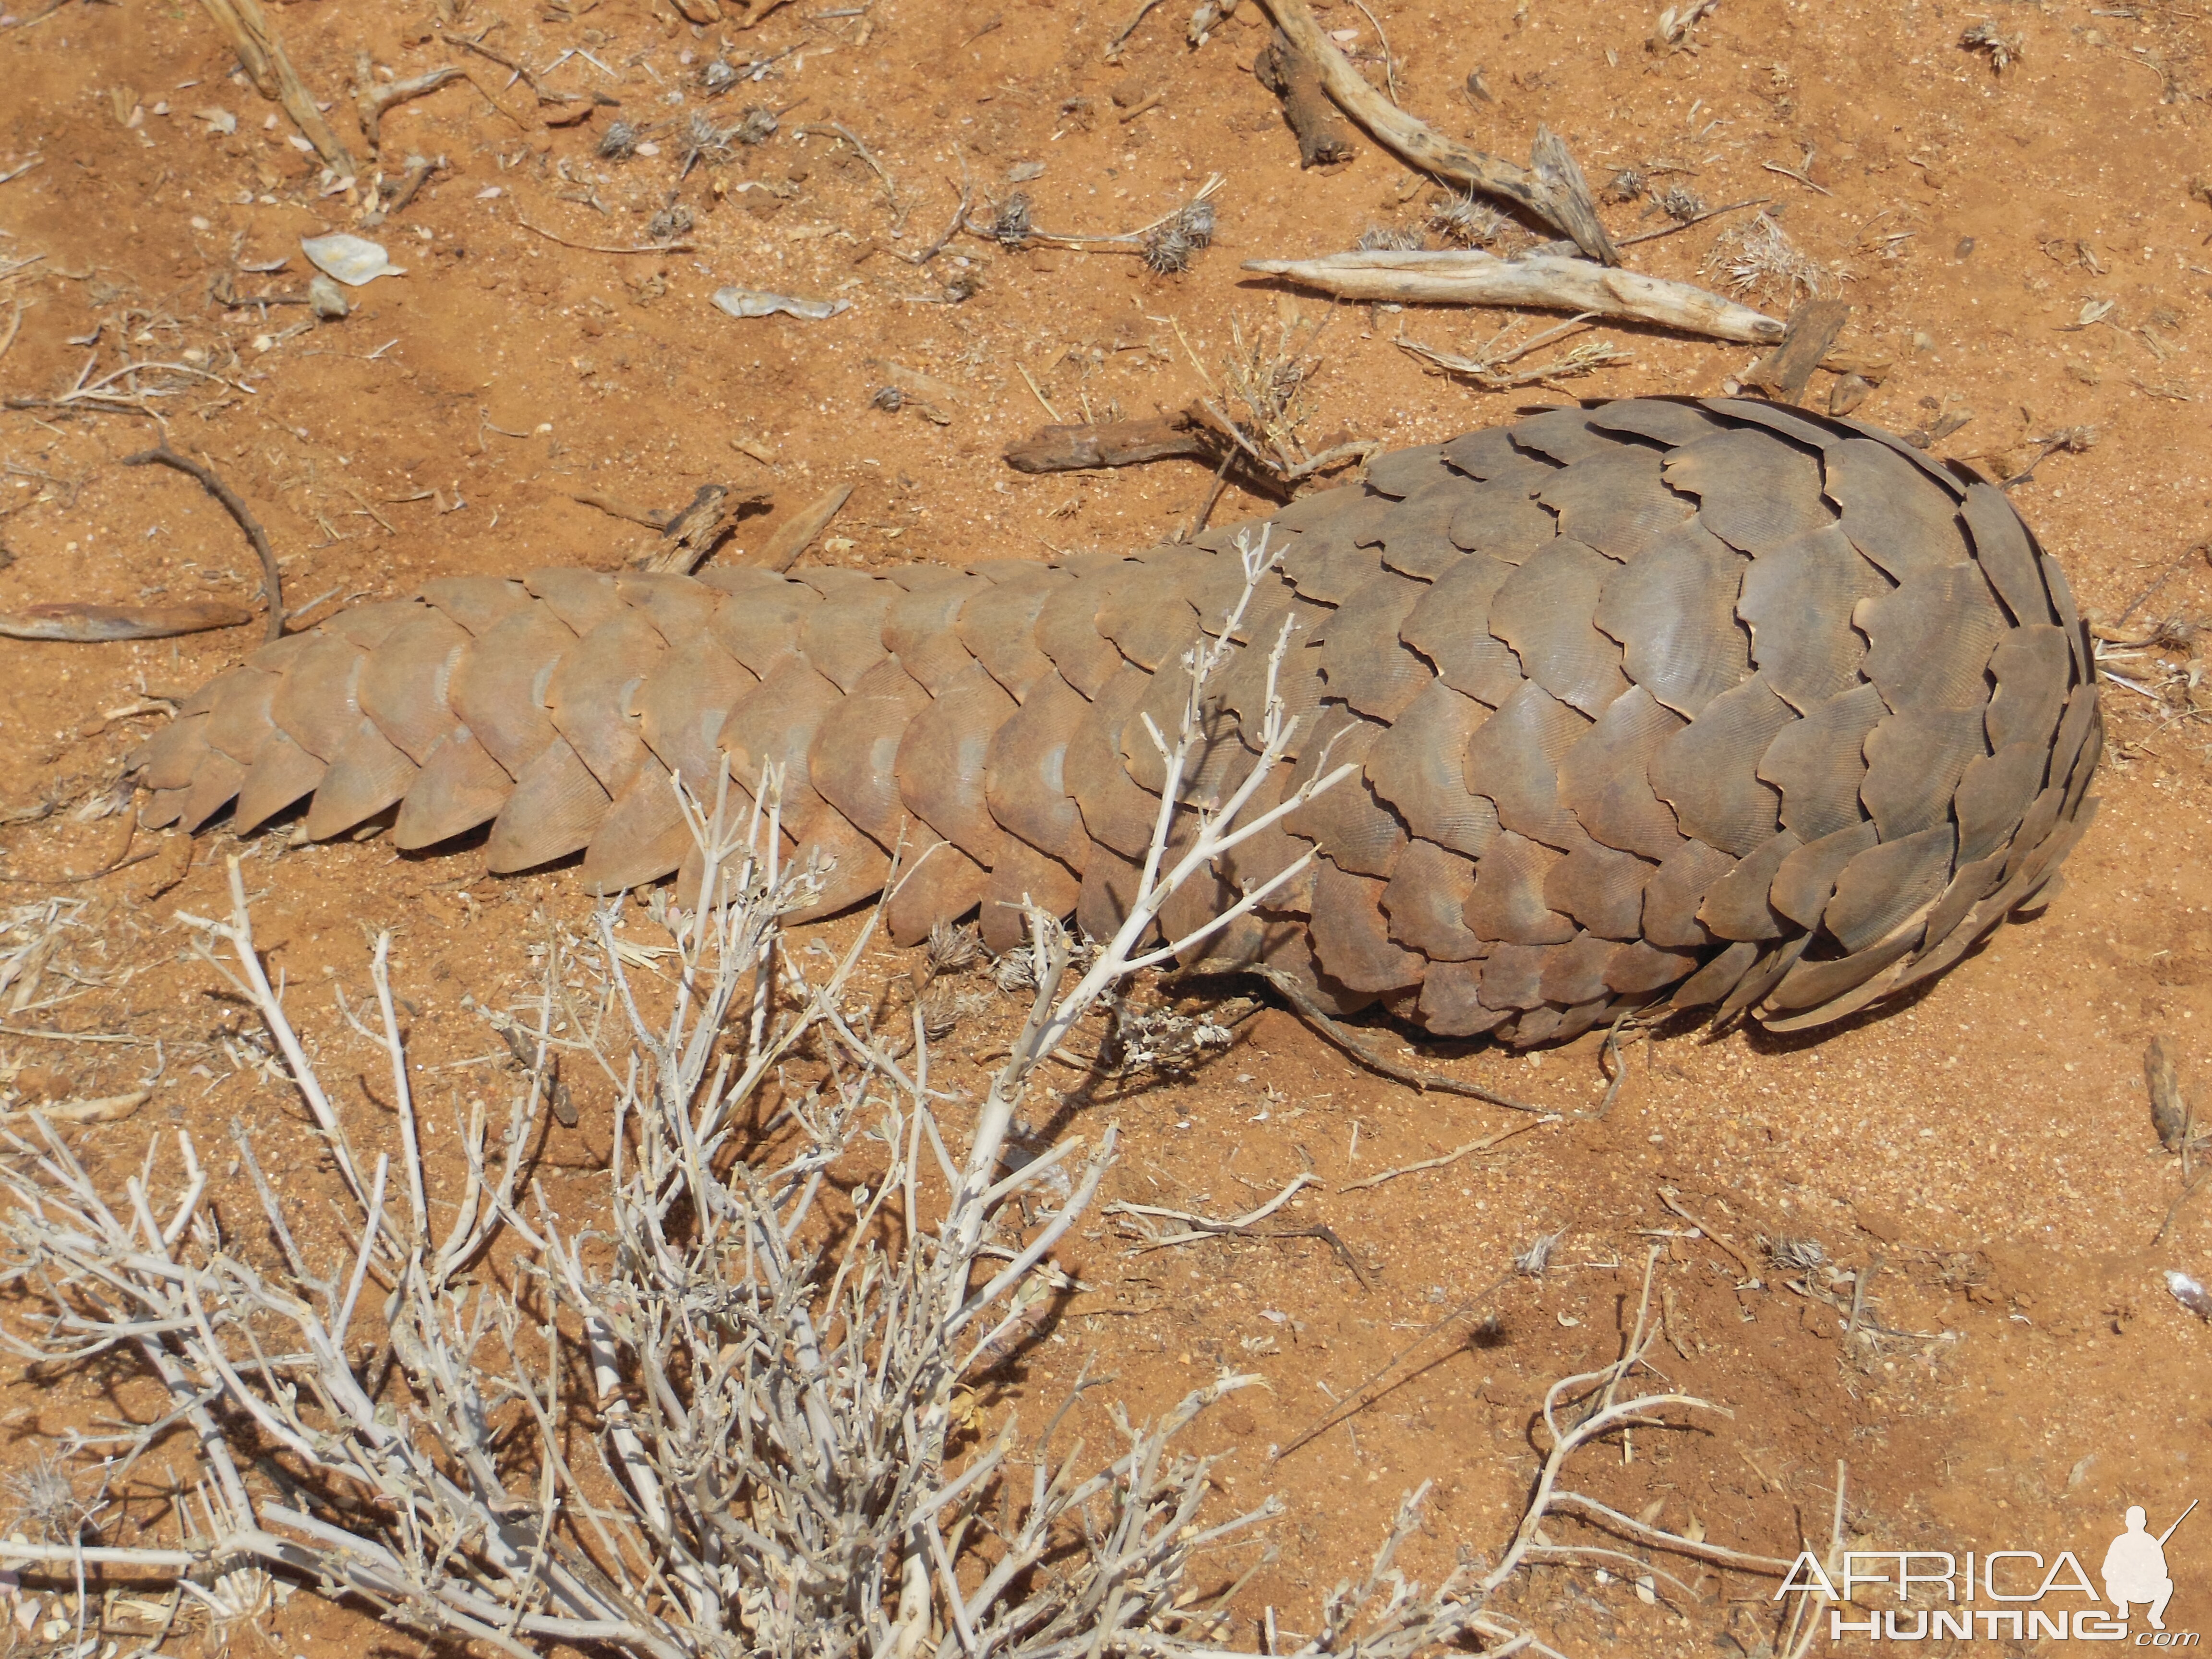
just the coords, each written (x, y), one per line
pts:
(2025, 247)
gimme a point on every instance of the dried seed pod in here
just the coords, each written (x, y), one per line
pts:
(1012, 225)
(718, 76)
(1167, 248)
(757, 126)
(669, 223)
(1389, 239)
(889, 398)
(1625, 185)
(1465, 222)
(619, 141)
(953, 950)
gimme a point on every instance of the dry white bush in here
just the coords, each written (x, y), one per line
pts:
(689, 1428)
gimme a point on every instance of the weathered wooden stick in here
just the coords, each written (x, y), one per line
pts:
(1117, 443)
(796, 533)
(1552, 188)
(261, 52)
(76, 623)
(1291, 76)
(1786, 370)
(1470, 276)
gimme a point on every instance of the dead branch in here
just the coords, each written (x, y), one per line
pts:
(1471, 276)
(1491, 368)
(1291, 76)
(1117, 443)
(272, 577)
(261, 50)
(371, 101)
(1786, 370)
(98, 624)
(1551, 186)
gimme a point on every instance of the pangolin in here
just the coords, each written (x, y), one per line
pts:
(1708, 703)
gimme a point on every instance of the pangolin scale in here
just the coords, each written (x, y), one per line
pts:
(1709, 703)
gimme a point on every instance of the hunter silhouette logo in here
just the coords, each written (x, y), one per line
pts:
(2134, 1566)
(1999, 1595)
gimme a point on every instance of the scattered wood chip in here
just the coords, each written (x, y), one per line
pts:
(1117, 443)
(2169, 1106)
(108, 1108)
(796, 533)
(1788, 369)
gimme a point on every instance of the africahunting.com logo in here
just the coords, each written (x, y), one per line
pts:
(1942, 1596)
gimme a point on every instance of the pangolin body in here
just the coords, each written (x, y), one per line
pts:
(1708, 702)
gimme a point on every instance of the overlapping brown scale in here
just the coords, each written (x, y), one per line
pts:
(1914, 763)
(1489, 453)
(1254, 862)
(367, 774)
(1565, 435)
(461, 786)
(1067, 634)
(589, 695)
(2077, 636)
(1935, 470)
(999, 627)
(581, 598)
(850, 867)
(1544, 610)
(1718, 977)
(1148, 620)
(1774, 963)
(774, 726)
(1298, 682)
(644, 835)
(1676, 892)
(475, 604)
(1886, 883)
(279, 656)
(1500, 518)
(1450, 624)
(1616, 503)
(1892, 511)
(1932, 639)
(1814, 433)
(1346, 821)
(2036, 825)
(281, 774)
(843, 636)
(1351, 934)
(1754, 490)
(1361, 658)
(1513, 975)
(1513, 757)
(1416, 537)
(557, 805)
(1424, 899)
(1218, 763)
(1819, 762)
(1507, 901)
(2006, 554)
(853, 762)
(2032, 667)
(1023, 875)
(1639, 967)
(214, 786)
(1806, 879)
(1418, 765)
(407, 682)
(1604, 777)
(1821, 986)
(1994, 792)
(1798, 598)
(2074, 750)
(174, 754)
(1708, 772)
(239, 720)
(1451, 1001)
(681, 705)
(1971, 884)
(1115, 809)
(1025, 771)
(942, 762)
(1660, 419)
(1674, 610)
(1600, 887)
(1740, 904)
(498, 688)
(1574, 973)
(680, 608)
(1329, 569)
(1406, 472)
(369, 625)
(761, 628)
(1107, 894)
